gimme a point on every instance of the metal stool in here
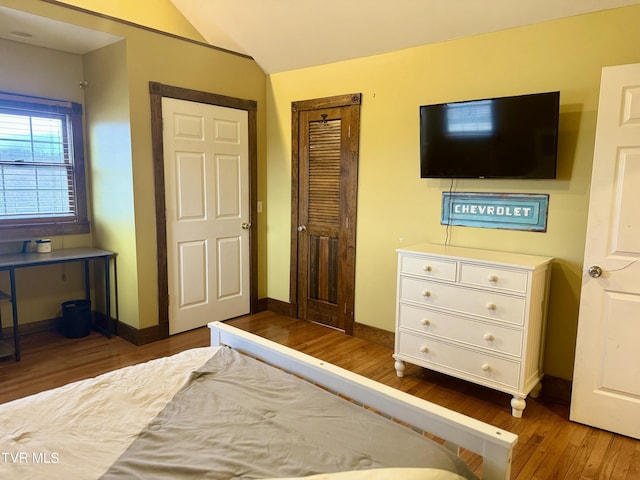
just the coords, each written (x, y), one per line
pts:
(5, 348)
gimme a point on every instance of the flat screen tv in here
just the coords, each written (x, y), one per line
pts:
(506, 137)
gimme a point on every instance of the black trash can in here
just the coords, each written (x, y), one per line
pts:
(76, 319)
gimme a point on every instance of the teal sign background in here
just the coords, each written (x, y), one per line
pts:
(511, 211)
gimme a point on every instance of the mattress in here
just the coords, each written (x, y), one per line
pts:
(209, 413)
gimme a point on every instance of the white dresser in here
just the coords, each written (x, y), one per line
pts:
(474, 314)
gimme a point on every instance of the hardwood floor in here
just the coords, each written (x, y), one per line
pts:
(549, 446)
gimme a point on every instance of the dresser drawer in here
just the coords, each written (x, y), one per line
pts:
(429, 267)
(493, 305)
(484, 335)
(483, 368)
(488, 276)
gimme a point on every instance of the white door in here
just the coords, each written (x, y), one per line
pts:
(606, 383)
(206, 165)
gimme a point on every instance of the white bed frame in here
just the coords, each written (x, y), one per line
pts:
(459, 431)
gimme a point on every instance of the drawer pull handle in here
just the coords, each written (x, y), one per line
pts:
(426, 293)
(427, 268)
(425, 322)
(424, 349)
(492, 306)
(486, 367)
(493, 278)
(488, 337)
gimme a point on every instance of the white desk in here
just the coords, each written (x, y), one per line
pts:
(14, 261)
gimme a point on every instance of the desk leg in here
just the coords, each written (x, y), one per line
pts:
(14, 309)
(107, 293)
(87, 286)
(87, 281)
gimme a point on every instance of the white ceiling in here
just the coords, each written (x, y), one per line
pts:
(289, 34)
(44, 32)
(285, 35)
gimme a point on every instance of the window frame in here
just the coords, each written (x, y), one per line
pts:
(29, 228)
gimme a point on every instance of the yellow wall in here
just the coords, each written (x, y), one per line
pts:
(190, 66)
(111, 185)
(119, 133)
(397, 208)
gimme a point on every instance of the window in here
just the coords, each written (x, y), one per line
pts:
(42, 185)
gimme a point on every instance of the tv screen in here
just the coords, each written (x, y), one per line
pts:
(506, 137)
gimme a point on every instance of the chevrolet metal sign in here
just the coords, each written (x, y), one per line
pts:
(512, 211)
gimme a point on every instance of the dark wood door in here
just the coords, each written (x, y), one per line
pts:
(324, 209)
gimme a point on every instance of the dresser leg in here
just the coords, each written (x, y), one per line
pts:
(399, 365)
(517, 406)
(535, 393)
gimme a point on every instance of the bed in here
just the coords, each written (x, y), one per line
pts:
(239, 409)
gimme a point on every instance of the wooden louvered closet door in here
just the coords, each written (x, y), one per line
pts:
(327, 185)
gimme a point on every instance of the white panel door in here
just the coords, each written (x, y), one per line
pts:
(206, 165)
(606, 383)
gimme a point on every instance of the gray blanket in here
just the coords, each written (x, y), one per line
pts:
(239, 418)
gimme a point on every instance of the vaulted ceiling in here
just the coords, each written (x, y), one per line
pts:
(290, 34)
(285, 35)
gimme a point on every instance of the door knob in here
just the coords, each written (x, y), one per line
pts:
(302, 228)
(594, 271)
(246, 226)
